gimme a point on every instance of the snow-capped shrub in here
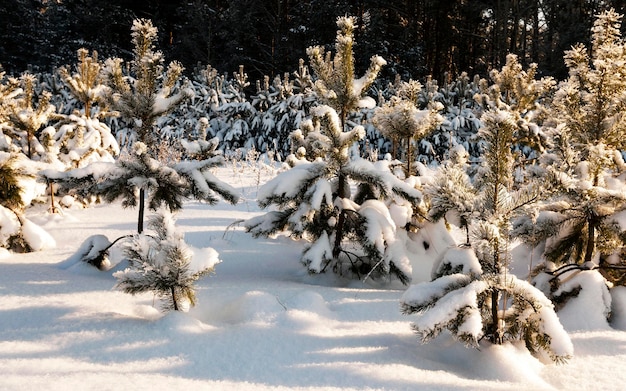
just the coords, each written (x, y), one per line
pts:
(165, 265)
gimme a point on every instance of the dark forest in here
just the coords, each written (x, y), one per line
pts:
(417, 38)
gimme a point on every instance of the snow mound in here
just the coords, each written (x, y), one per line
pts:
(36, 237)
(252, 307)
(589, 310)
(90, 253)
(181, 322)
(308, 301)
(506, 363)
(618, 315)
(430, 242)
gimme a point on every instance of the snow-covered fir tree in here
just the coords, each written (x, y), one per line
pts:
(81, 136)
(336, 85)
(403, 122)
(85, 83)
(9, 89)
(28, 113)
(578, 229)
(460, 113)
(17, 233)
(313, 200)
(139, 176)
(451, 194)
(141, 98)
(473, 294)
(237, 116)
(165, 265)
(588, 142)
(148, 92)
(289, 104)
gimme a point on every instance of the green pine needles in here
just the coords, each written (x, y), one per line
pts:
(348, 234)
(162, 264)
(473, 295)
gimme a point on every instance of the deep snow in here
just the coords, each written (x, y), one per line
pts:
(261, 322)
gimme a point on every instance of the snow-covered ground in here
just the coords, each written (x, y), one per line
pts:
(260, 323)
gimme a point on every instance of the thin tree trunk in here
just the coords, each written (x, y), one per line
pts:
(495, 295)
(142, 202)
(409, 157)
(591, 239)
(342, 217)
(53, 209)
(173, 291)
(341, 184)
(29, 139)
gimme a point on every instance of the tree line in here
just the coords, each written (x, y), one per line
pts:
(417, 38)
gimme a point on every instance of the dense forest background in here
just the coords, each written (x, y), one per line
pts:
(417, 37)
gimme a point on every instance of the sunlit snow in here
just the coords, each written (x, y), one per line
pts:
(261, 321)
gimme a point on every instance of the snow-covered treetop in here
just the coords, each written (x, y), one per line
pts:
(86, 84)
(518, 92)
(591, 101)
(400, 118)
(336, 85)
(147, 93)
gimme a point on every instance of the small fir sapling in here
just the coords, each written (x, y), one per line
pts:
(17, 233)
(9, 90)
(86, 83)
(139, 179)
(308, 206)
(165, 265)
(11, 202)
(313, 201)
(579, 229)
(473, 294)
(141, 98)
(403, 122)
(149, 91)
(460, 113)
(451, 195)
(336, 85)
(289, 105)
(28, 113)
(586, 162)
(237, 115)
(81, 137)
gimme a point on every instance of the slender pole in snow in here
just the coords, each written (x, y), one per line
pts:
(142, 196)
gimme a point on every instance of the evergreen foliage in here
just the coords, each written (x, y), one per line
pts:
(13, 202)
(148, 92)
(86, 84)
(140, 174)
(473, 294)
(451, 194)
(27, 113)
(460, 303)
(402, 121)
(585, 161)
(10, 188)
(336, 85)
(313, 199)
(161, 264)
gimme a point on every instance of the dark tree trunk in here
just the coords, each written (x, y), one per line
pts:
(142, 202)
(173, 291)
(495, 296)
(591, 238)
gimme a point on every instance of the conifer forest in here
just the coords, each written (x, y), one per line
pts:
(468, 157)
